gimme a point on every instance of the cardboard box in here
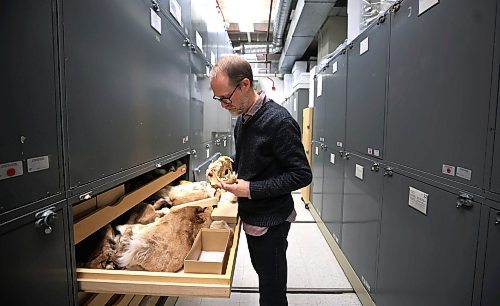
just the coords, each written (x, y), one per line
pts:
(211, 242)
(226, 212)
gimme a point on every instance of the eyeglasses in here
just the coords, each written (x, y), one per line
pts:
(227, 100)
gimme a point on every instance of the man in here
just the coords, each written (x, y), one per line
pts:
(271, 163)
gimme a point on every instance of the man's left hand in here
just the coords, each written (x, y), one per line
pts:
(240, 189)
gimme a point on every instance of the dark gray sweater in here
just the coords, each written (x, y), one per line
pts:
(270, 155)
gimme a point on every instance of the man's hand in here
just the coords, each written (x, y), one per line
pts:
(240, 189)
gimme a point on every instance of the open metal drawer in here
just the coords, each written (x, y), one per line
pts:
(144, 282)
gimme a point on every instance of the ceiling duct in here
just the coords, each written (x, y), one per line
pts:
(280, 21)
(308, 18)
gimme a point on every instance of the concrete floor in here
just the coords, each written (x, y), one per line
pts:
(314, 275)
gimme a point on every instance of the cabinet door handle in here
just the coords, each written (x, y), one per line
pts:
(45, 219)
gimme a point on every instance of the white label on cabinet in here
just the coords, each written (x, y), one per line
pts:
(359, 171)
(38, 163)
(425, 5)
(319, 91)
(212, 58)
(418, 200)
(449, 170)
(335, 67)
(363, 46)
(175, 10)
(199, 41)
(339, 144)
(155, 21)
(464, 173)
(376, 153)
(332, 158)
(370, 151)
(316, 150)
(12, 169)
(208, 153)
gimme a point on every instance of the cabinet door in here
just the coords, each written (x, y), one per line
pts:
(30, 131)
(361, 217)
(366, 90)
(439, 88)
(319, 108)
(127, 88)
(495, 170)
(35, 265)
(335, 108)
(317, 170)
(425, 259)
(491, 294)
(333, 188)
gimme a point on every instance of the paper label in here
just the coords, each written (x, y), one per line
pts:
(155, 21)
(363, 46)
(175, 10)
(212, 58)
(199, 41)
(335, 67)
(448, 170)
(340, 144)
(316, 150)
(376, 153)
(38, 163)
(208, 153)
(359, 171)
(425, 5)
(464, 173)
(332, 158)
(9, 170)
(319, 90)
(370, 151)
(418, 200)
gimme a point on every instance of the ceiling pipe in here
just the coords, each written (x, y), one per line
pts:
(282, 13)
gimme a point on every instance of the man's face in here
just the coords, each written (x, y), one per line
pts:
(230, 97)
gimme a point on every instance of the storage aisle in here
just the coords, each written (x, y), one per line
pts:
(314, 275)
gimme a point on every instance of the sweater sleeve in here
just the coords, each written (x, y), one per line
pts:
(289, 152)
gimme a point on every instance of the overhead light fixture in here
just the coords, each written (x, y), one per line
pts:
(246, 26)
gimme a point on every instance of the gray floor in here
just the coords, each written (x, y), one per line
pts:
(311, 268)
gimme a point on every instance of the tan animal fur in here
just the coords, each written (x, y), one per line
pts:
(161, 246)
(184, 193)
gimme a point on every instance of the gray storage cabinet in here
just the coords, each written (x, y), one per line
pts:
(439, 88)
(366, 90)
(335, 88)
(196, 113)
(301, 101)
(495, 170)
(332, 192)
(126, 88)
(491, 281)
(36, 268)
(426, 259)
(361, 217)
(318, 145)
(30, 150)
(318, 154)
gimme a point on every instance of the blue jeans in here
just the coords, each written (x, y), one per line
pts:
(268, 255)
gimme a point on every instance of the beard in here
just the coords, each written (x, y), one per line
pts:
(239, 110)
